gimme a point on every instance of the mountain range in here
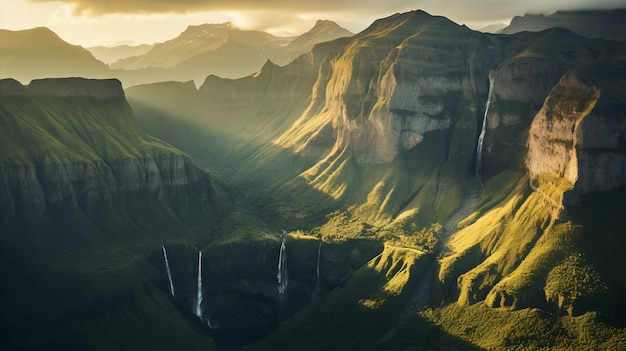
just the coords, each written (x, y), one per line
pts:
(593, 24)
(219, 49)
(417, 185)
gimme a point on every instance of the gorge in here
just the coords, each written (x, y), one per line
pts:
(467, 189)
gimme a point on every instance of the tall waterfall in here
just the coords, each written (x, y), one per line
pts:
(199, 294)
(281, 275)
(319, 251)
(481, 137)
(169, 273)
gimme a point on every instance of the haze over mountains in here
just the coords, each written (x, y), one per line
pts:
(592, 24)
(417, 185)
(219, 49)
(111, 54)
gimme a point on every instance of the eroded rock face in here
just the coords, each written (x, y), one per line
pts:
(572, 137)
(380, 92)
(94, 176)
(27, 191)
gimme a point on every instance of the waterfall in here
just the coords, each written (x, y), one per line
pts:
(281, 275)
(199, 296)
(319, 251)
(169, 273)
(481, 137)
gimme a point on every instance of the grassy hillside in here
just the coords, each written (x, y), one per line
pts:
(78, 129)
(82, 273)
(506, 258)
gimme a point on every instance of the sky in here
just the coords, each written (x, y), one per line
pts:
(116, 22)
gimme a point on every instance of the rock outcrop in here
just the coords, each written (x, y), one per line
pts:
(368, 94)
(27, 191)
(572, 137)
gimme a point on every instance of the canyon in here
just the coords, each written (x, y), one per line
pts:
(438, 187)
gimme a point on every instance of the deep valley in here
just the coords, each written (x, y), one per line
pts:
(415, 186)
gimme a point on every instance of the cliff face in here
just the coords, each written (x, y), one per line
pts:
(91, 152)
(368, 94)
(27, 191)
(576, 137)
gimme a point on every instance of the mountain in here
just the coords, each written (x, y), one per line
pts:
(40, 53)
(86, 202)
(322, 31)
(418, 185)
(490, 167)
(222, 50)
(607, 24)
(200, 51)
(196, 40)
(111, 54)
(492, 28)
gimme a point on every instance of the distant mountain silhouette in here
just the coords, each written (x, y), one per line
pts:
(40, 53)
(223, 50)
(111, 54)
(591, 24)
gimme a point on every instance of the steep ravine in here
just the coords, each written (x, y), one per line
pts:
(84, 195)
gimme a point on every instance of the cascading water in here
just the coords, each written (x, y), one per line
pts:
(481, 137)
(199, 294)
(169, 273)
(281, 275)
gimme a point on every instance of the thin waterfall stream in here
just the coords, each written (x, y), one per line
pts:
(481, 137)
(199, 293)
(281, 274)
(169, 272)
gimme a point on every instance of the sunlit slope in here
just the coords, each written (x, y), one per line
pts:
(383, 147)
(359, 314)
(225, 120)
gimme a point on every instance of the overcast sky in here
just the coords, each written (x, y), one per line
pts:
(108, 22)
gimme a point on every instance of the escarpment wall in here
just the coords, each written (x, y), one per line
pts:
(573, 137)
(95, 175)
(27, 191)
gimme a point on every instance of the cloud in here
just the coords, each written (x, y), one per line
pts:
(100, 7)
(461, 11)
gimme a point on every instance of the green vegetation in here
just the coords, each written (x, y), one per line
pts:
(414, 253)
(55, 131)
(374, 296)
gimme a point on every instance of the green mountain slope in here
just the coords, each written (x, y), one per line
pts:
(87, 201)
(383, 147)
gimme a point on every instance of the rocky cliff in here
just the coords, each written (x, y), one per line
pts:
(379, 133)
(577, 137)
(74, 143)
(368, 94)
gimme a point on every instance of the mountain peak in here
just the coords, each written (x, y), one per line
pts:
(38, 36)
(323, 30)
